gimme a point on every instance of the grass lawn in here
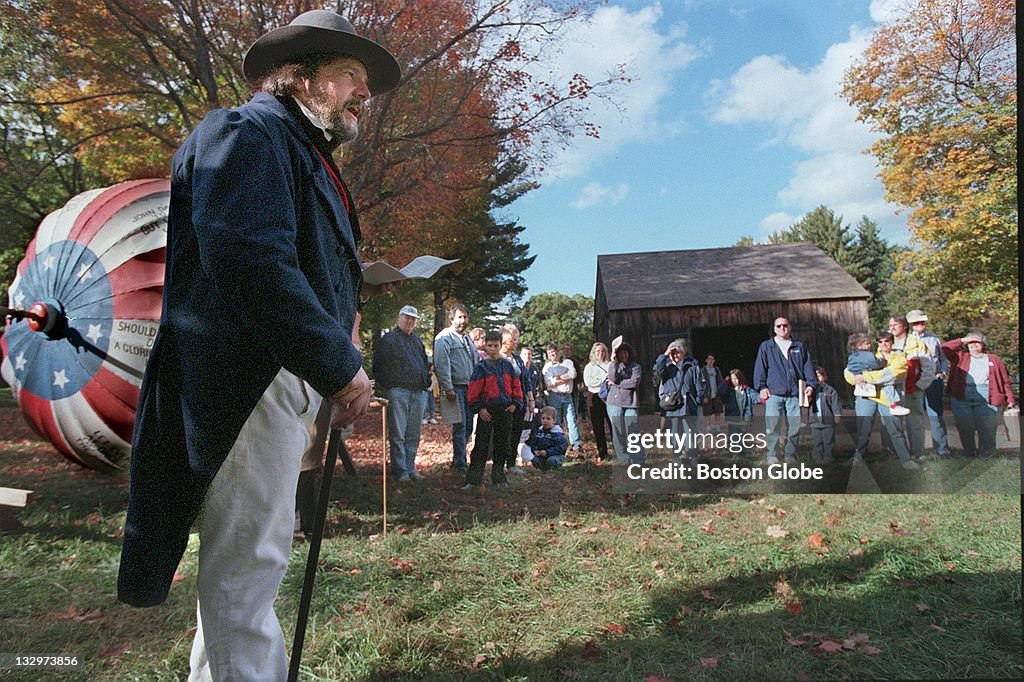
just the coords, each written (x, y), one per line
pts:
(552, 578)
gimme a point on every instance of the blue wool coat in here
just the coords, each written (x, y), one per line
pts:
(261, 273)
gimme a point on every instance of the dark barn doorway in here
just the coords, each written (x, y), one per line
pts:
(733, 347)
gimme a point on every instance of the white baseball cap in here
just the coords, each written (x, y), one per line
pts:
(916, 316)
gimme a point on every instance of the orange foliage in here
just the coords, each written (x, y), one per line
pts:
(135, 76)
(940, 84)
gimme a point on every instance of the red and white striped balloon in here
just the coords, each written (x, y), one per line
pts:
(94, 273)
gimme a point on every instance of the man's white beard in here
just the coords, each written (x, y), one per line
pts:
(333, 116)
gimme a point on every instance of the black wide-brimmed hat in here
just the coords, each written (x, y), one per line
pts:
(321, 31)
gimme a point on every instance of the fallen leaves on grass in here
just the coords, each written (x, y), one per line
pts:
(829, 646)
(89, 616)
(708, 662)
(115, 650)
(776, 532)
(615, 629)
(922, 607)
(479, 661)
(591, 650)
(794, 608)
(815, 540)
(403, 565)
(823, 644)
(896, 530)
(657, 678)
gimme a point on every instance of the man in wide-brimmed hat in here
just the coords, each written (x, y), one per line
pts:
(933, 394)
(261, 290)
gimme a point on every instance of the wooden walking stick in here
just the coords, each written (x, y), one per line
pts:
(333, 445)
(384, 461)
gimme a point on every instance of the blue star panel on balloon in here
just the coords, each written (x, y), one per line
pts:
(98, 263)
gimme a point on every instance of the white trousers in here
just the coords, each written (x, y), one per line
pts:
(245, 538)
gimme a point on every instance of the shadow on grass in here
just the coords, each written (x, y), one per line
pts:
(69, 501)
(857, 617)
(438, 504)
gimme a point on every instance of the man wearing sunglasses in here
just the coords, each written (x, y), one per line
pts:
(780, 365)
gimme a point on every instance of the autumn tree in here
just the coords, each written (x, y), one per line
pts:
(38, 169)
(488, 274)
(123, 81)
(939, 84)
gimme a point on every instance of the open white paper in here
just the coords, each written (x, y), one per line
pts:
(422, 267)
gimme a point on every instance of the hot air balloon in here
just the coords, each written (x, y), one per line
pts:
(83, 312)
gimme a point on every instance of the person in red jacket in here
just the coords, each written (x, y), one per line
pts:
(495, 393)
(979, 386)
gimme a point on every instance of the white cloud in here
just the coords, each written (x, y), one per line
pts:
(884, 11)
(803, 110)
(595, 193)
(651, 57)
(774, 222)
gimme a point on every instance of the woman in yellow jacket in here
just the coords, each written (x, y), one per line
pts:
(865, 408)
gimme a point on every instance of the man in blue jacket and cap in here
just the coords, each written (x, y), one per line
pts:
(261, 293)
(780, 365)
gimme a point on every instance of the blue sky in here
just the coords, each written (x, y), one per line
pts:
(732, 126)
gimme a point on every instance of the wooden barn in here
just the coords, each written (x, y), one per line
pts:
(725, 300)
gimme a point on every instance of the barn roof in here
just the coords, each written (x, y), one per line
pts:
(739, 274)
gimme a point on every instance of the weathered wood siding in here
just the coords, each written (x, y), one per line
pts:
(823, 325)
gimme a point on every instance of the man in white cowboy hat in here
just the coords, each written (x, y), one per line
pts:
(918, 321)
(261, 292)
(402, 375)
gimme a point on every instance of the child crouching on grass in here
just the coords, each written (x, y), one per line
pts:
(547, 442)
(495, 392)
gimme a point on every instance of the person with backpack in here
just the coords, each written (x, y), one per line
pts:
(681, 391)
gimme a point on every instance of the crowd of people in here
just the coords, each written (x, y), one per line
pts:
(260, 221)
(516, 407)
